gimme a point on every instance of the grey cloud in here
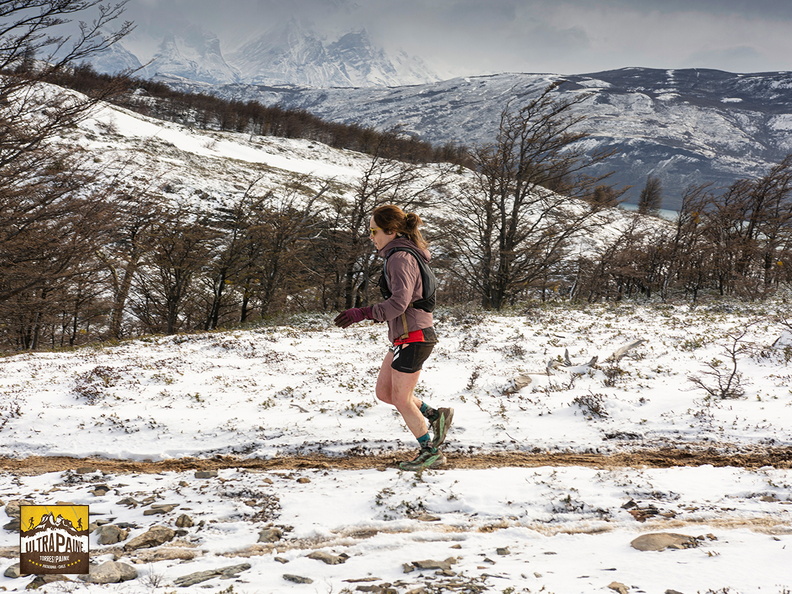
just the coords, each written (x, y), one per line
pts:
(740, 59)
(477, 36)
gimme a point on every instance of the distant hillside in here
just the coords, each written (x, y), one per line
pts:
(685, 126)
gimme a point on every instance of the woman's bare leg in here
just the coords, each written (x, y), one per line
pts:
(397, 388)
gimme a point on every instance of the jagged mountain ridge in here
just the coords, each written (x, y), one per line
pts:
(194, 54)
(295, 55)
(688, 127)
(288, 54)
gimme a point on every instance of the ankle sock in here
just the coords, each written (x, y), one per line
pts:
(424, 440)
(428, 411)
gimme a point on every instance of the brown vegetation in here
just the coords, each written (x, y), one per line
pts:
(86, 258)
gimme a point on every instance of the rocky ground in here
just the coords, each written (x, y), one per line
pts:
(230, 525)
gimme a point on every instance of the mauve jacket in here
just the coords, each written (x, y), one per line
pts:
(404, 282)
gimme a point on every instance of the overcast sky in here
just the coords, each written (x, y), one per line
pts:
(467, 37)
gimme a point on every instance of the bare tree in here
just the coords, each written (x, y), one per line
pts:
(236, 254)
(384, 181)
(50, 228)
(35, 49)
(182, 244)
(687, 248)
(518, 215)
(723, 380)
(651, 198)
(277, 241)
(605, 196)
(53, 208)
(132, 239)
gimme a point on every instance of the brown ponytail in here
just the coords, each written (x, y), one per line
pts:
(392, 219)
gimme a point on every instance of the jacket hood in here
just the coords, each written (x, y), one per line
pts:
(404, 242)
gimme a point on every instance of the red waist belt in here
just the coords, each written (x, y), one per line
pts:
(414, 336)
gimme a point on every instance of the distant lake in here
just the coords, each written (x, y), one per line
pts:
(671, 215)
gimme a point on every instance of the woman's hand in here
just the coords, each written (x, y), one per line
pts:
(353, 316)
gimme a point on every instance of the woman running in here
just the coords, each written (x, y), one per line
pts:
(396, 237)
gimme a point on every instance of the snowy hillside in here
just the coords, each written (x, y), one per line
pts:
(591, 449)
(685, 126)
(290, 482)
(210, 169)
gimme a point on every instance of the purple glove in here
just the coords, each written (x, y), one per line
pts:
(353, 316)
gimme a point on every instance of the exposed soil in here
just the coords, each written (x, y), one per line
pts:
(647, 458)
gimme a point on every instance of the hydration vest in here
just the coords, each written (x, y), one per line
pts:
(428, 281)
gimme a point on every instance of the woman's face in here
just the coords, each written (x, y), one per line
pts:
(378, 237)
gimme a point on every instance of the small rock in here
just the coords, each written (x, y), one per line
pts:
(303, 480)
(43, 580)
(110, 572)
(660, 541)
(166, 554)
(430, 564)
(111, 534)
(503, 551)
(328, 558)
(128, 502)
(378, 589)
(156, 536)
(282, 560)
(297, 579)
(13, 571)
(12, 507)
(12, 511)
(672, 592)
(619, 587)
(517, 384)
(270, 535)
(184, 521)
(205, 474)
(231, 571)
(101, 490)
(195, 578)
(160, 508)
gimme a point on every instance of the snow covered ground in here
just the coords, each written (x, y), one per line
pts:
(177, 432)
(305, 390)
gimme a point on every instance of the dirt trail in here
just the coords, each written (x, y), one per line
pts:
(649, 458)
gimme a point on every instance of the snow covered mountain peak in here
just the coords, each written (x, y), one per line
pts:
(194, 54)
(295, 53)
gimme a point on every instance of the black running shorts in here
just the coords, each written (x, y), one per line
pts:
(410, 357)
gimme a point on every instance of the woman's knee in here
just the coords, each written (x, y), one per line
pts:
(383, 394)
(402, 396)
